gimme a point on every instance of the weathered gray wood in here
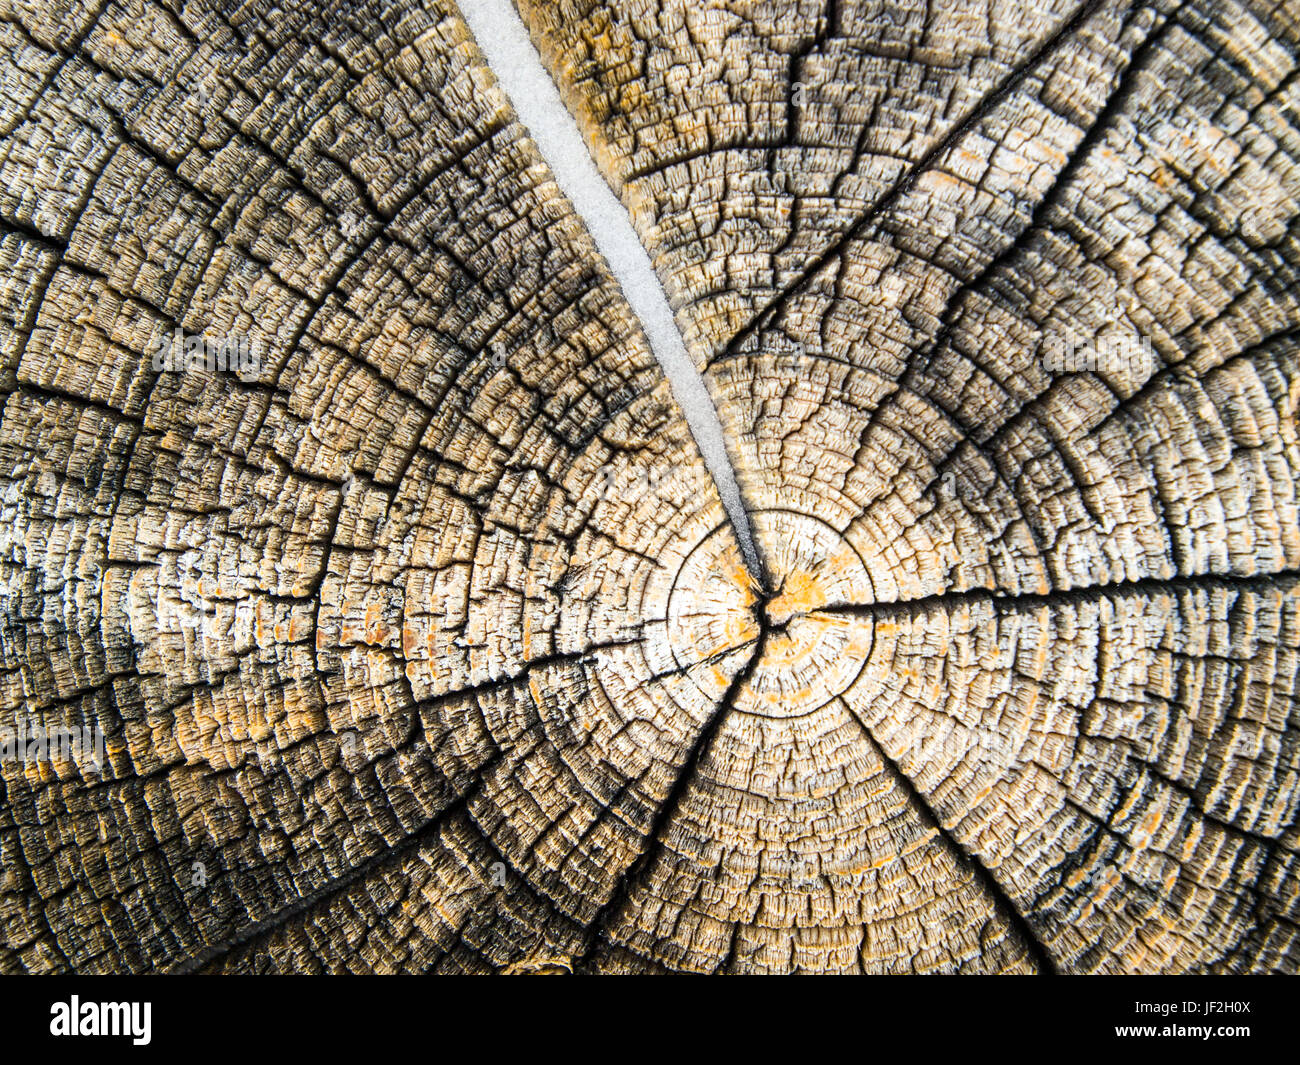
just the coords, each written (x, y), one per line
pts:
(426, 644)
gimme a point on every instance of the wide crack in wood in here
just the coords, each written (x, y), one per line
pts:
(505, 44)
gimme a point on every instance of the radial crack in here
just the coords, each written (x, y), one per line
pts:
(303, 904)
(1036, 600)
(506, 46)
(635, 872)
(899, 188)
(1043, 961)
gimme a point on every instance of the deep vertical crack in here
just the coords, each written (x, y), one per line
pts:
(508, 50)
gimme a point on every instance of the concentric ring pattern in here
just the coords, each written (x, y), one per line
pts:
(424, 642)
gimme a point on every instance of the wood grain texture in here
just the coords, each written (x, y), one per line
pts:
(427, 645)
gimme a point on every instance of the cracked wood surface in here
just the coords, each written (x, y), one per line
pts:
(428, 642)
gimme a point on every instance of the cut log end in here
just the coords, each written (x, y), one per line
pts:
(418, 637)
